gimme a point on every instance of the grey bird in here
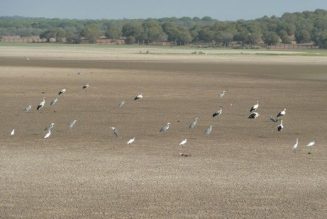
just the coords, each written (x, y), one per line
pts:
(194, 123)
(165, 127)
(115, 131)
(208, 130)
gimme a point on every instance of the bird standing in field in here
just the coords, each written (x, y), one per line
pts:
(218, 113)
(295, 145)
(194, 122)
(208, 130)
(281, 113)
(50, 127)
(254, 107)
(222, 94)
(72, 124)
(183, 142)
(54, 101)
(280, 126)
(47, 134)
(115, 131)
(131, 141)
(85, 86)
(254, 115)
(12, 133)
(62, 91)
(41, 104)
(310, 145)
(138, 97)
(165, 127)
(28, 108)
(122, 103)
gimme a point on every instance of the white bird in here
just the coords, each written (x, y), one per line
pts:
(139, 96)
(296, 145)
(165, 127)
(218, 113)
(50, 127)
(41, 104)
(208, 130)
(280, 126)
(122, 103)
(72, 124)
(130, 141)
(254, 115)
(12, 133)
(183, 142)
(28, 108)
(47, 135)
(254, 107)
(194, 122)
(281, 113)
(115, 131)
(85, 86)
(54, 101)
(311, 143)
(62, 91)
(222, 94)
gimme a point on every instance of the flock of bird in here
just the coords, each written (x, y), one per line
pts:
(253, 115)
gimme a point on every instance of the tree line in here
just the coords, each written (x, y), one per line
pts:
(300, 27)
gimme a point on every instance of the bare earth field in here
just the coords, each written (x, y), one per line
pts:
(244, 169)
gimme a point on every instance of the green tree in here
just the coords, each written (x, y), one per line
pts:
(91, 32)
(270, 38)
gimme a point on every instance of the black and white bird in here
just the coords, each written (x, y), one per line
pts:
(131, 141)
(72, 124)
(222, 94)
(85, 86)
(115, 131)
(12, 133)
(138, 97)
(54, 101)
(295, 145)
(218, 113)
(62, 91)
(165, 127)
(122, 103)
(41, 104)
(208, 130)
(254, 115)
(280, 126)
(254, 107)
(194, 123)
(281, 113)
(28, 108)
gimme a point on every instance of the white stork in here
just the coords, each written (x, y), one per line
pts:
(41, 104)
(122, 103)
(280, 126)
(254, 115)
(62, 91)
(296, 145)
(131, 141)
(222, 94)
(254, 107)
(183, 142)
(218, 113)
(138, 97)
(281, 113)
(12, 133)
(47, 135)
(72, 124)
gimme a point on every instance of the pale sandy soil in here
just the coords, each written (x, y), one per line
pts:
(245, 169)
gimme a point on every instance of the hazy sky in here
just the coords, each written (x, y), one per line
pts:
(113, 9)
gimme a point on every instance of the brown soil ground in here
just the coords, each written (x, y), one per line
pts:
(244, 169)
